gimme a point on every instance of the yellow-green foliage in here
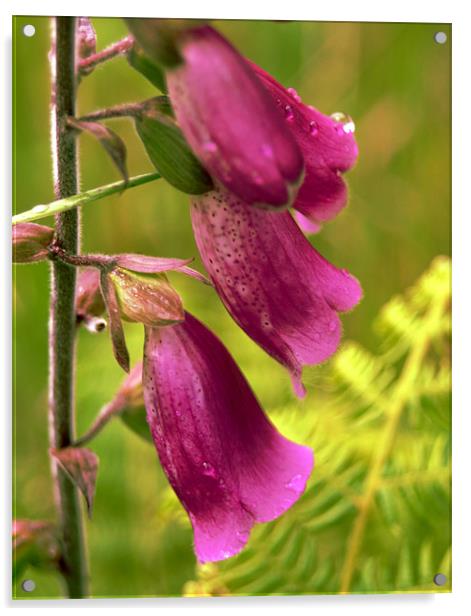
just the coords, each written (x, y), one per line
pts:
(376, 514)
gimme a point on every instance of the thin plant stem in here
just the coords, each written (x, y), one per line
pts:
(115, 49)
(109, 411)
(62, 327)
(123, 110)
(393, 410)
(70, 203)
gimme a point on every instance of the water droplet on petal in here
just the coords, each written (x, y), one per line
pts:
(349, 127)
(317, 337)
(294, 94)
(313, 128)
(346, 124)
(208, 470)
(296, 483)
(339, 116)
(332, 326)
(267, 150)
(210, 146)
(289, 114)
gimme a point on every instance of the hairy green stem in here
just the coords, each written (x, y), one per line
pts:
(71, 202)
(62, 315)
(123, 110)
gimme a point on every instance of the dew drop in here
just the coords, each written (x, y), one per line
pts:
(210, 147)
(346, 124)
(296, 483)
(267, 150)
(294, 94)
(208, 470)
(339, 116)
(313, 128)
(289, 114)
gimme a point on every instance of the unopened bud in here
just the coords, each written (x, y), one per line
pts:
(30, 242)
(168, 149)
(35, 543)
(86, 40)
(147, 299)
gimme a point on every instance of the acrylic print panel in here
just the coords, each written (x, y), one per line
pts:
(324, 330)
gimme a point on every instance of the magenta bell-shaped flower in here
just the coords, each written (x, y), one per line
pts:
(227, 463)
(274, 284)
(328, 147)
(231, 122)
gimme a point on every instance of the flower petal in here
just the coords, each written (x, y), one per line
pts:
(274, 284)
(154, 265)
(231, 122)
(227, 463)
(329, 149)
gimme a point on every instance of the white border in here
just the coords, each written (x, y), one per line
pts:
(340, 10)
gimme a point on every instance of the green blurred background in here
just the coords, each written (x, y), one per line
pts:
(394, 80)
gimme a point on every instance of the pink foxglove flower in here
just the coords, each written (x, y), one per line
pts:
(227, 463)
(231, 122)
(274, 284)
(329, 149)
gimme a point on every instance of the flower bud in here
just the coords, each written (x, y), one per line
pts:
(148, 299)
(30, 242)
(85, 41)
(168, 150)
(35, 543)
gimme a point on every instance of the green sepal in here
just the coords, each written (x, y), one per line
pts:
(168, 150)
(141, 62)
(134, 417)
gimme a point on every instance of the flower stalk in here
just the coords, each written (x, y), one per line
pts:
(115, 49)
(69, 203)
(62, 327)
